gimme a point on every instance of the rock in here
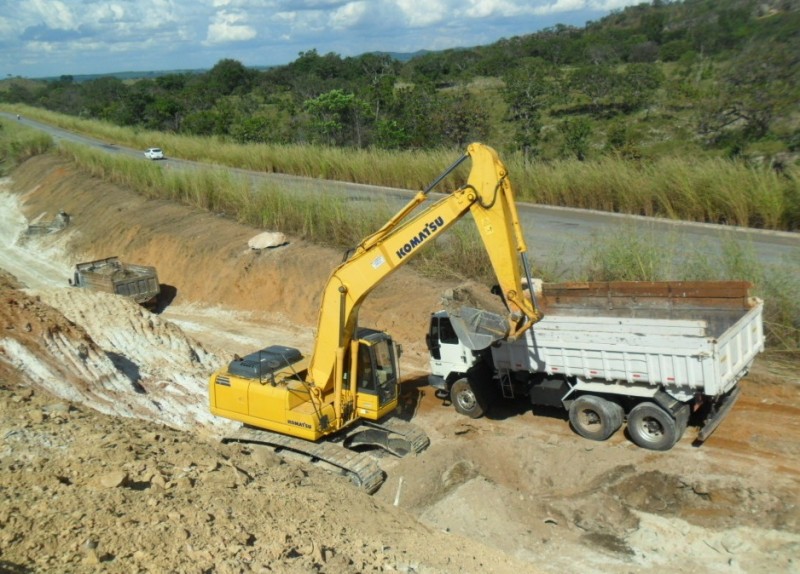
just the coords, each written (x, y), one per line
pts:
(57, 408)
(36, 416)
(266, 457)
(266, 240)
(114, 479)
(184, 483)
(158, 481)
(91, 558)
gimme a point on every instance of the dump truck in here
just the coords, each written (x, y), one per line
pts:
(137, 282)
(651, 353)
(59, 222)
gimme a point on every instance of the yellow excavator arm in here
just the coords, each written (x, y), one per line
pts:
(488, 196)
(352, 373)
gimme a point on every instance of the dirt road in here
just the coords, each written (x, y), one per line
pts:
(144, 487)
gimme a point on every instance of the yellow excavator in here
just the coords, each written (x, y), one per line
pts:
(345, 389)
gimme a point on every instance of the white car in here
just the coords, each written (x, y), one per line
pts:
(154, 153)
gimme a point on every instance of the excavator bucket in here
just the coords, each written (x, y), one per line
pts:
(478, 328)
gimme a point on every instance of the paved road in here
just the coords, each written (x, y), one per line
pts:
(557, 237)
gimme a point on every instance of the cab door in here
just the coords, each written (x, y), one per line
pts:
(377, 377)
(448, 355)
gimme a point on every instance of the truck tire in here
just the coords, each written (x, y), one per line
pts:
(594, 417)
(467, 399)
(653, 428)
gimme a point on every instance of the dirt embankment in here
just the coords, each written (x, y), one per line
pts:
(142, 486)
(205, 259)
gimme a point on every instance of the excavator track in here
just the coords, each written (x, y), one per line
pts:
(413, 438)
(361, 468)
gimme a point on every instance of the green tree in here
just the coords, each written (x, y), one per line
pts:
(337, 118)
(380, 73)
(639, 83)
(228, 77)
(527, 93)
(576, 132)
(760, 86)
(411, 117)
(595, 82)
(253, 129)
(460, 119)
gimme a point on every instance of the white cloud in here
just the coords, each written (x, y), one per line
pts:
(108, 35)
(8, 29)
(349, 15)
(54, 14)
(561, 6)
(229, 27)
(504, 8)
(430, 13)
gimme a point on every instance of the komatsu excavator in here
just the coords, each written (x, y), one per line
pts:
(349, 382)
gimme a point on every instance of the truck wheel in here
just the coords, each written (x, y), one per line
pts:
(652, 427)
(594, 417)
(466, 399)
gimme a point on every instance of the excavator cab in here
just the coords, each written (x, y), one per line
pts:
(376, 373)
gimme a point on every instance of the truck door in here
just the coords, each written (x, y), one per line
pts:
(448, 355)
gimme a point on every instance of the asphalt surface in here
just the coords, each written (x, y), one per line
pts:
(558, 238)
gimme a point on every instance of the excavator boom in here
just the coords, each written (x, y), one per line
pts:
(488, 196)
(352, 375)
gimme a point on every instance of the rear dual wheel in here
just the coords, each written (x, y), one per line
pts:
(653, 428)
(594, 417)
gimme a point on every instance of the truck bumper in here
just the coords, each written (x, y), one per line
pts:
(437, 382)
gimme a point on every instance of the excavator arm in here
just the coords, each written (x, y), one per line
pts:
(489, 198)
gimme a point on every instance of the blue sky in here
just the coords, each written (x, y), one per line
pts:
(41, 38)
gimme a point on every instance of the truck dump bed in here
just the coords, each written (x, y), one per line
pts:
(687, 336)
(138, 282)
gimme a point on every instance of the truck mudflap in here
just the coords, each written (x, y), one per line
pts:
(719, 411)
(360, 468)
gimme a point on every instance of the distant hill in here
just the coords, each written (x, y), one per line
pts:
(403, 56)
(137, 75)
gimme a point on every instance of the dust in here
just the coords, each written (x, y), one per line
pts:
(109, 460)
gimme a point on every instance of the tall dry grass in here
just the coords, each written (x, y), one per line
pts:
(705, 189)
(18, 143)
(625, 255)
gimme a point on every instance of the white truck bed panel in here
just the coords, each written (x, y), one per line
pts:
(708, 354)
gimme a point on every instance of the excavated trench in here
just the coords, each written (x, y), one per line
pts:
(517, 484)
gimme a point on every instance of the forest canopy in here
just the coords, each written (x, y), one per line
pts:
(663, 77)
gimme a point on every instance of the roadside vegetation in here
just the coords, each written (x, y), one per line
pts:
(686, 110)
(705, 189)
(328, 220)
(18, 144)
